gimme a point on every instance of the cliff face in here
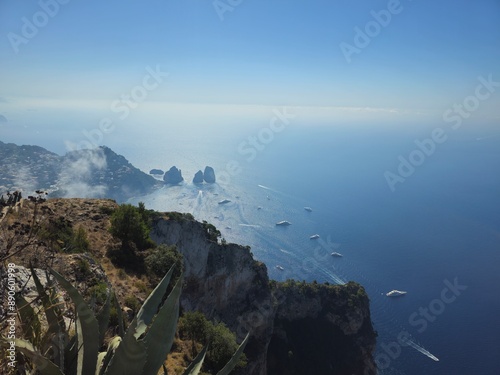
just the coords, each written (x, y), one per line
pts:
(297, 328)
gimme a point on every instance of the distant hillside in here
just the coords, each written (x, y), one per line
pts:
(96, 173)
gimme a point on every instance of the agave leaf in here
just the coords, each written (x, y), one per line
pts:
(29, 319)
(54, 319)
(103, 318)
(43, 365)
(195, 366)
(112, 346)
(121, 330)
(100, 361)
(87, 329)
(226, 370)
(71, 355)
(129, 357)
(150, 306)
(49, 307)
(161, 334)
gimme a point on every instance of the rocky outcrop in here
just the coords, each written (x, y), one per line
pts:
(227, 284)
(321, 329)
(173, 176)
(198, 178)
(156, 171)
(209, 175)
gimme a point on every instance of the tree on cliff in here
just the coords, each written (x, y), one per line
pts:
(129, 225)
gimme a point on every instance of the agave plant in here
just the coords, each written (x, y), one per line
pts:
(141, 349)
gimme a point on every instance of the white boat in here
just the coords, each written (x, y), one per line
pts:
(314, 237)
(283, 223)
(335, 254)
(395, 293)
(308, 209)
(279, 268)
(224, 201)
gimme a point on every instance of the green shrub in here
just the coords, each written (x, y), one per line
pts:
(79, 242)
(99, 292)
(132, 302)
(221, 341)
(60, 236)
(211, 231)
(161, 259)
(83, 267)
(129, 224)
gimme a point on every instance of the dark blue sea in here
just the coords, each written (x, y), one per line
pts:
(437, 236)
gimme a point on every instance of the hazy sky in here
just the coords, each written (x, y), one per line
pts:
(66, 66)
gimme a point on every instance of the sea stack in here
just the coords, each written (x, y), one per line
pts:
(173, 176)
(209, 175)
(198, 178)
(156, 171)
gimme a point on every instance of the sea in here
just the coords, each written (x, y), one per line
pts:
(435, 234)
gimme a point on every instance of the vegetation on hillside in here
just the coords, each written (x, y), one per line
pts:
(196, 328)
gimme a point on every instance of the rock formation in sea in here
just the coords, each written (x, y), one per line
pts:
(209, 175)
(173, 176)
(156, 171)
(198, 177)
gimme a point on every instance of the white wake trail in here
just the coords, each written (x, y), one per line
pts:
(422, 350)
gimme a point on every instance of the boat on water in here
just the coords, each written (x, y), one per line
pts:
(259, 207)
(335, 254)
(224, 201)
(308, 209)
(314, 237)
(278, 267)
(283, 223)
(395, 293)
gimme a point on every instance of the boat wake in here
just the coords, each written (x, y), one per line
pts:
(422, 350)
(249, 225)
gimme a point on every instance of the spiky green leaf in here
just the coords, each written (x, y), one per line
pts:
(87, 328)
(129, 356)
(52, 311)
(112, 346)
(29, 319)
(161, 334)
(103, 318)
(195, 366)
(43, 365)
(121, 330)
(150, 307)
(226, 370)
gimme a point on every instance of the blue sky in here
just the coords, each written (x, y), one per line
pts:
(262, 54)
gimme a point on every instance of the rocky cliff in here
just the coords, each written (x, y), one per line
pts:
(297, 328)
